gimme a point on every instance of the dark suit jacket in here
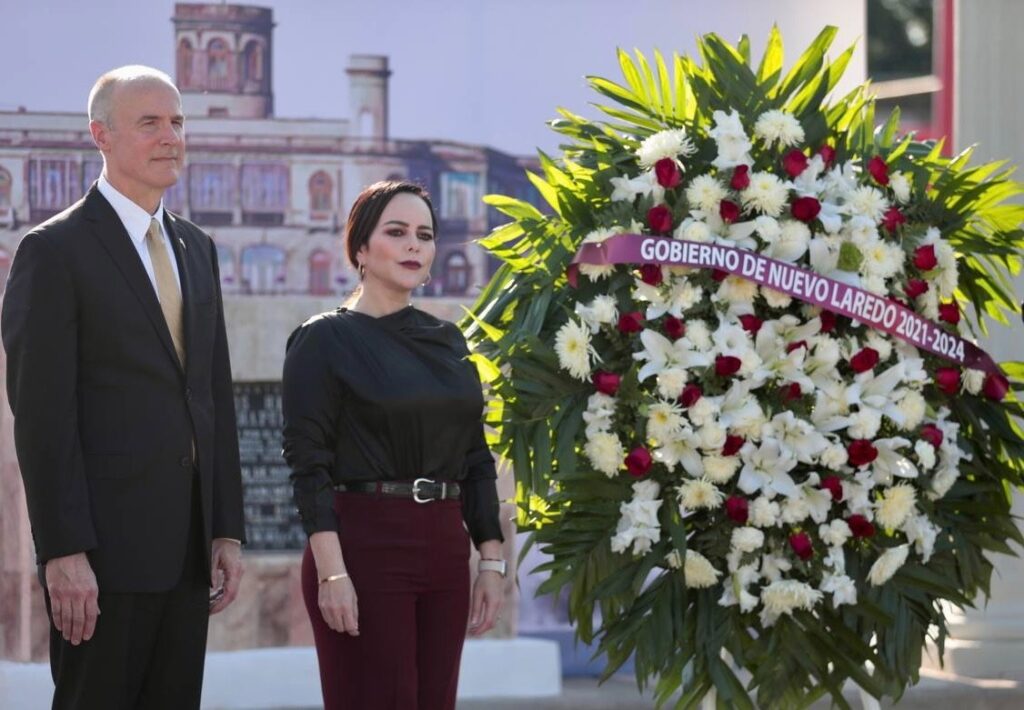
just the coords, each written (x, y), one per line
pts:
(104, 415)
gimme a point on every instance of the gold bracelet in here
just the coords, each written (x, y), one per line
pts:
(334, 577)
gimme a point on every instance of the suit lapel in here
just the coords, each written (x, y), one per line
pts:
(186, 274)
(110, 232)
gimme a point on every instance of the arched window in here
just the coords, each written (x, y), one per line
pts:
(263, 269)
(321, 189)
(320, 273)
(5, 188)
(184, 64)
(5, 268)
(253, 58)
(218, 58)
(456, 273)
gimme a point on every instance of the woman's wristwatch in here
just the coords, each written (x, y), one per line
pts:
(486, 565)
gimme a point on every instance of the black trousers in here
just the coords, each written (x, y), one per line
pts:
(148, 649)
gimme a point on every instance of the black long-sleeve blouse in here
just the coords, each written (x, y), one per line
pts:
(378, 399)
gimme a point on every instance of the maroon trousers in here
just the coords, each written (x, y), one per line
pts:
(409, 564)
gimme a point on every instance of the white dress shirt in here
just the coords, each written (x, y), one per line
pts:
(136, 222)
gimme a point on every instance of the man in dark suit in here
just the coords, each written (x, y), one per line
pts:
(124, 421)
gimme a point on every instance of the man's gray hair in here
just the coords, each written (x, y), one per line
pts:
(100, 98)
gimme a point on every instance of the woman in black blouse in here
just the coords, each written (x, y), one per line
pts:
(383, 433)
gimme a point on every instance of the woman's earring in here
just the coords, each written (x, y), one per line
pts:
(362, 270)
(428, 279)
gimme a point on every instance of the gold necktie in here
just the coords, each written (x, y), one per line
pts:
(166, 287)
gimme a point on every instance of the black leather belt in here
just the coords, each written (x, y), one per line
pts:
(422, 490)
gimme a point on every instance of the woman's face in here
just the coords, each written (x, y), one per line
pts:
(401, 247)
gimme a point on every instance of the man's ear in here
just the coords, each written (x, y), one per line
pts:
(100, 135)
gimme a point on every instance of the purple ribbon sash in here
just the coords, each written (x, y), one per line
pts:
(878, 312)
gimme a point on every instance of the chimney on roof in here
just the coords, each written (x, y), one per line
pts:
(368, 95)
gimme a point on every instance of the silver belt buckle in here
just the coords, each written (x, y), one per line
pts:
(416, 490)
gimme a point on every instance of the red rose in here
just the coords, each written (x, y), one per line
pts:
(947, 379)
(801, 544)
(638, 461)
(860, 526)
(651, 274)
(718, 276)
(828, 321)
(932, 434)
(729, 211)
(879, 170)
(674, 328)
(828, 154)
(924, 257)
(606, 382)
(996, 386)
(667, 172)
(791, 391)
(865, 360)
(834, 485)
(691, 393)
(805, 209)
(794, 162)
(861, 452)
(796, 346)
(733, 444)
(893, 218)
(659, 219)
(915, 288)
(740, 177)
(632, 322)
(727, 365)
(949, 312)
(751, 323)
(737, 508)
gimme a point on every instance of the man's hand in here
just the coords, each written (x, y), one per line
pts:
(226, 571)
(74, 596)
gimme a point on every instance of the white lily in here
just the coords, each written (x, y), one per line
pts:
(684, 450)
(891, 462)
(661, 353)
(766, 468)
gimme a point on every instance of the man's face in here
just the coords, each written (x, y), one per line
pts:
(144, 143)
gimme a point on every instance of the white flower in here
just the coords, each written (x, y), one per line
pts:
(864, 424)
(664, 144)
(703, 412)
(764, 513)
(841, 587)
(791, 243)
(922, 533)
(973, 380)
(775, 299)
(699, 494)
(942, 482)
(784, 597)
(572, 344)
(747, 539)
(698, 572)
(891, 462)
(868, 202)
(662, 354)
(604, 309)
(671, 381)
(834, 457)
(712, 436)
(895, 505)
(795, 510)
(681, 450)
(598, 271)
(674, 560)
(698, 335)
(766, 194)
(646, 490)
(912, 408)
(887, 564)
(706, 193)
(925, 454)
(736, 289)
(605, 452)
(766, 468)
(774, 566)
(693, 230)
(664, 420)
(796, 435)
(900, 185)
(732, 141)
(834, 533)
(599, 413)
(781, 126)
(720, 469)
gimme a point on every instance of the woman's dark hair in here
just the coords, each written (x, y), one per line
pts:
(369, 206)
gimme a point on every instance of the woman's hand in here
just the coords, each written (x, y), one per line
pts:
(488, 598)
(339, 606)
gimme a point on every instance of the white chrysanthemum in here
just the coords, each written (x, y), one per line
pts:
(674, 560)
(881, 344)
(779, 126)
(764, 513)
(841, 587)
(706, 193)
(900, 185)
(703, 412)
(731, 140)
(698, 334)
(766, 193)
(664, 144)
(693, 230)
(664, 420)
(671, 381)
(795, 510)
(699, 494)
(775, 299)
(973, 380)
(605, 452)
(895, 505)
(864, 424)
(720, 469)
(604, 309)
(784, 597)
(596, 272)
(882, 260)
(866, 201)
(834, 533)
(887, 565)
(711, 436)
(747, 539)
(925, 454)
(736, 289)
(834, 457)
(572, 344)
(698, 572)
(912, 407)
